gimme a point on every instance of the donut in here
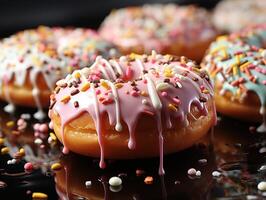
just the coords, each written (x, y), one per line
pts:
(136, 106)
(32, 61)
(230, 16)
(237, 65)
(168, 29)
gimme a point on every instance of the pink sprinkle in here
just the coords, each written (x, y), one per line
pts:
(36, 134)
(202, 87)
(20, 122)
(129, 73)
(134, 93)
(191, 172)
(144, 81)
(51, 126)
(258, 69)
(28, 166)
(65, 150)
(36, 126)
(264, 82)
(176, 100)
(98, 92)
(43, 128)
(164, 94)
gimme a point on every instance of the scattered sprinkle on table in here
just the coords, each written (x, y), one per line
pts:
(216, 174)
(56, 166)
(115, 181)
(28, 166)
(148, 180)
(88, 183)
(39, 195)
(262, 186)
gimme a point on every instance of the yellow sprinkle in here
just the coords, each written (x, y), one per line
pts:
(242, 67)
(4, 150)
(222, 37)
(133, 56)
(235, 70)
(2, 141)
(196, 69)
(217, 49)
(205, 91)
(238, 59)
(143, 93)
(69, 69)
(22, 152)
(52, 135)
(224, 53)
(118, 85)
(105, 85)
(172, 107)
(39, 195)
(85, 87)
(56, 166)
(168, 57)
(65, 99)
(77, 75)
(10, 124)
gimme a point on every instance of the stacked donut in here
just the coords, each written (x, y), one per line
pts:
(32, 61)
(237, 64)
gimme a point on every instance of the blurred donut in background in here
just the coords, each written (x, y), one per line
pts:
(230, 16)
(168, 29)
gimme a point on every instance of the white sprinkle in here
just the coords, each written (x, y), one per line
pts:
(115, 181)
(162, 86)
(198, 173)
(13, 161)
(88, 183)
(262, 150)
(203, 161)
(25, 116)
(9, 162)
(262, 186)
(60, 83)
(144, 102)
(263, 54)
(50, 140)
(216, 174)
(262, 168)
(38, 141)
(191, 172)
(251, 197)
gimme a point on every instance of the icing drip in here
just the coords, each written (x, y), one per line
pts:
(48, 52)
(145, 85)
(98, 128)
(238, 62)
(156, 102)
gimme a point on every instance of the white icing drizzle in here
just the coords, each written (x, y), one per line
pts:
(118, 126)
(117, 66)
(111, 70)
(156, 102)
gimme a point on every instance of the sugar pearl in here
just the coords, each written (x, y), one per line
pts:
(115, 181)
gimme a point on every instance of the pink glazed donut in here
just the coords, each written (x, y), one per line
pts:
(167, 29)
(133, 107)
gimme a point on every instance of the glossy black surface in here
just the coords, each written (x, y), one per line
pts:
(232, 149)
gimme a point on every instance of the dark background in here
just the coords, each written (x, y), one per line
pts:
(17, 15)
